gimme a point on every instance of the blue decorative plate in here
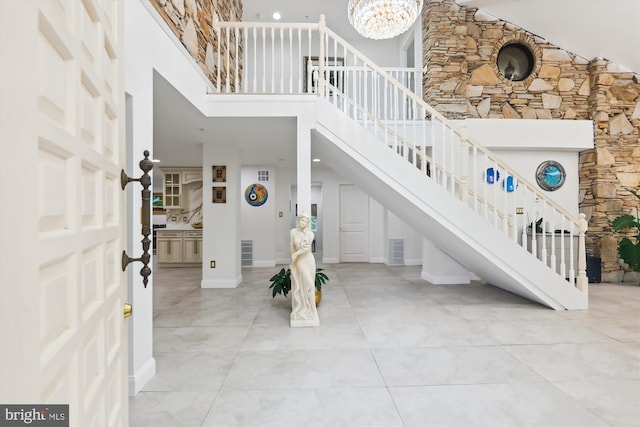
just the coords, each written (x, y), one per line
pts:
(550, 175)
(492, 176)
(509, 184)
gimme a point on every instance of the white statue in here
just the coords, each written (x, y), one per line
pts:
(303, 275)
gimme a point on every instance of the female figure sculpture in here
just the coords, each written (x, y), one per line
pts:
(303, 275)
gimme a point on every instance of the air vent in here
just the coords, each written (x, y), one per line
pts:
(246, 253)
(396, 251)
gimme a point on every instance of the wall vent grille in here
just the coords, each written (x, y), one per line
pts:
(246, 253)
(396, 251)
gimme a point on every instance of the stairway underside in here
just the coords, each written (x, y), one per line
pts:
(451, 225)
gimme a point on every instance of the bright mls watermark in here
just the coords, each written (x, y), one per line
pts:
(34, 415)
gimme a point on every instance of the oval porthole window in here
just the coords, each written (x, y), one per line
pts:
(515, 61)
(550, 175)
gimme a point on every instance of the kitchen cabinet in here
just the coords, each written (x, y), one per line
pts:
(174, 182)
(169, 249)
(172, 190)
(179, 247)
(192, 246)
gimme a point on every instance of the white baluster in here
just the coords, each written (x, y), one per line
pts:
(534, 237)
(475, 177)
(552, 260)
(236, 86)
(219, 63)
(255, 60)
(464, 165)
(227, 61)
(264, 60)
(321, 53)
(563, 261)
(544, 232)
(245, 71)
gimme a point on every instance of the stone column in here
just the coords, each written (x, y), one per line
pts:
(612, 167)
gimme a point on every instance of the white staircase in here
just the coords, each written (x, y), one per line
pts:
(384, 138)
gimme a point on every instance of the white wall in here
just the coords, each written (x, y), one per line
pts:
(383, 225)
(147, 48)
(283, 203)
(258, 222)
(398, 229)
(221, 221)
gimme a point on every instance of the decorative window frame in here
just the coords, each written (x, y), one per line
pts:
(527, 41)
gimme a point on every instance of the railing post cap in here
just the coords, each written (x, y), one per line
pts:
(583, 224)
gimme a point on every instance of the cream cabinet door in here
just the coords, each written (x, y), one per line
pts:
(64, 338)
(169, 246)
(192, 247)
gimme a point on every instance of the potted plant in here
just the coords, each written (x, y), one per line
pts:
(281, 283)
(628, 250)
(537, 225)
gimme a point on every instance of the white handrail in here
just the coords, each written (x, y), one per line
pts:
(397, 116)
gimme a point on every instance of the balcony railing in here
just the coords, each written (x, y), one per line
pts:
(285, 58)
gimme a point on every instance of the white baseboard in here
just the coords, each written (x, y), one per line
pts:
(330, 260)
(378, 260)
(446, 280)
(142, 376)
(413, 261)
(264, 264)
(221, 284)
(281, 261)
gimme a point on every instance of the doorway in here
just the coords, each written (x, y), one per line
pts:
(354, 224)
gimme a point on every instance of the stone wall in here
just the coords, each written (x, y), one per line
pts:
(191, 22)
(614, 165)
(462, 80)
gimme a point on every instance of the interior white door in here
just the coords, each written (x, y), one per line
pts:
(354, 224)
(62, 133)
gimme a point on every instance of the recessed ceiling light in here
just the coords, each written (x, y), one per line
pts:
(276, 15)
(316, 160)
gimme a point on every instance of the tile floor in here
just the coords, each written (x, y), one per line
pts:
(391, 350)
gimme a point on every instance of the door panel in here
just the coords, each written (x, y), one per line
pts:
(62, 114)
(354, 224)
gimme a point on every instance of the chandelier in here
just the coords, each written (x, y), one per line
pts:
(383, 19)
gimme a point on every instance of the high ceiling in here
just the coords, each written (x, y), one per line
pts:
(589, 28)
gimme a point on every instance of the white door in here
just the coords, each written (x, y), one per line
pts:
(354, 224)
(61, 151)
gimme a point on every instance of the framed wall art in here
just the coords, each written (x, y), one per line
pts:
(219, 173)
(219, 195)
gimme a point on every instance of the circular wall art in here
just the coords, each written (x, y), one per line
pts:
(256, 194)
(550, 175)
(515, 61)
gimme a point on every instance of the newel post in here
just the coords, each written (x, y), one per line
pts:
(582, 282)
(322, 25)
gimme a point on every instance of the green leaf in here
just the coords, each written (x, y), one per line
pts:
(625, 221)
(634, 192)
(630, 253)
(281, 282)
(321, 279)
